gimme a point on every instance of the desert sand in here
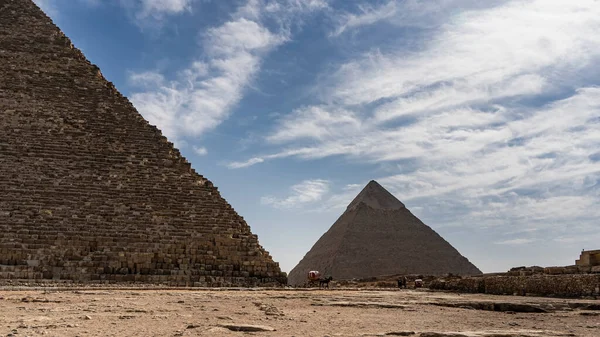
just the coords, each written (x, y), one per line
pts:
(214, 312)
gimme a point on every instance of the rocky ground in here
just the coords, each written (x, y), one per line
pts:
(142, 312)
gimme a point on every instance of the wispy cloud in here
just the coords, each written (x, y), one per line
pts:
(200, 150)
(496, 114)
(157, 7)
(247, 163)
(146, 13)
(206, 91)
(315, 122)
(367, 15)
(147, 79)
(406, 13)
(515, 242)
(306, 192)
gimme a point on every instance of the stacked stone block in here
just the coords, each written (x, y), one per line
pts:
(91, 192)
(572, 285)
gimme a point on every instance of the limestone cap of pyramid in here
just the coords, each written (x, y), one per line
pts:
(377, 197)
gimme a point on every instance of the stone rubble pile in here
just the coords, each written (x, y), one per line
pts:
(567, 285)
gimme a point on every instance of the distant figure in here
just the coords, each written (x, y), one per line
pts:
(324, 283)
(402, 282)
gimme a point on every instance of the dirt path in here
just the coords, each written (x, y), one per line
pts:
(289, 313)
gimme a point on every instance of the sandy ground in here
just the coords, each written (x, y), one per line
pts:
(289, 312)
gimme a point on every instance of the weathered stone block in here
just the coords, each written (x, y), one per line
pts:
(96, 193)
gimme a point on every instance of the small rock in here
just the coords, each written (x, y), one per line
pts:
(400, 333)
(247, 327)
(587, 313)
(87, 317)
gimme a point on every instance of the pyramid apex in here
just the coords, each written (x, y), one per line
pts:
(376, 196)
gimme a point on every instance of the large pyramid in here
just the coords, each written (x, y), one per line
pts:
(377, 235)
(91, 192)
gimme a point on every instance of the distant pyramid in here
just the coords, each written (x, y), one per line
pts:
(89, 191)
(377, 235)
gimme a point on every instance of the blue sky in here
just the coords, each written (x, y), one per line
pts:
(482, 117)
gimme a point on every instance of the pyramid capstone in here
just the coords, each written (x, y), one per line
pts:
(90, 192)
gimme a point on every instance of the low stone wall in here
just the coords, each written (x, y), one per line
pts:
(576, 285)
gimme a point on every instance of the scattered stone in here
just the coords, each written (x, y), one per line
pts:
(217, 330)
(496, 306)
(400, 333)
(587, 313)
(269, 309)
(87, 317)
(193, 326)
(225, 318)
(360, 305)
(247, 327)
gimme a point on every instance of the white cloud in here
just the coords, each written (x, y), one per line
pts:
(368, 15)
(306, 192)
(146, 11)
(247, 163)
(240, 36)
(147, 79)
(515, 242)
(165, 6)
(483, 52)
(206, 91)
(463, 115)
(477, 60)
(315, 122)
(201, 151)
(407, 13)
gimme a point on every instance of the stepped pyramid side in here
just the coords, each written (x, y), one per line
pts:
(376, 236)
(90, 191)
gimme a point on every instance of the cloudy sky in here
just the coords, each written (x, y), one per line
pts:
(483, 117)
